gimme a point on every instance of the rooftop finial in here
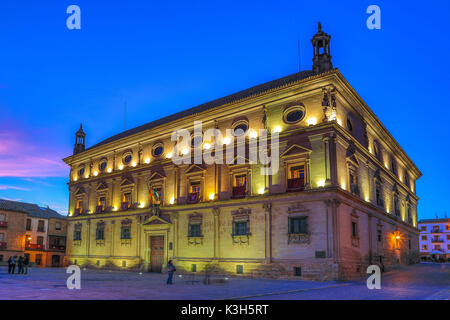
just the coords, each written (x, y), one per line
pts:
(321, 51)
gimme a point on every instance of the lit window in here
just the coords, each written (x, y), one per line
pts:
(240, 180)
(156, 195)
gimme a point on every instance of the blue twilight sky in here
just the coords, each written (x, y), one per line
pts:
(165, 57)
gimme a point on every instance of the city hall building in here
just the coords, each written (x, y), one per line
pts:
(343, 196)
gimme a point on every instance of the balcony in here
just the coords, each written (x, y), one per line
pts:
(54, 247)
(296, 184)
(124, 206)
(99, 209)
(436, 230)
(3, 224)
(437, 240)
(193, 197)
(239, 192)
(34, 246)
(78, 212)
(3, 246)
(354, 189)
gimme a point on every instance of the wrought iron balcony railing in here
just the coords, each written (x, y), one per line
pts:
(34, 246)
(295, 184)
(239, 192)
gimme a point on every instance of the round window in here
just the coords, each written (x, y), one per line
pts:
(127, 159)
(294, 114)
(103, 165)
(81, 172)
(158, 150)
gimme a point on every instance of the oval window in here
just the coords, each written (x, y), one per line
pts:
(81, 172)
(158, 150)
(349, 125)
(127, 159)
(103, 165)
(240, 129)
(294, 114)
(196, 141)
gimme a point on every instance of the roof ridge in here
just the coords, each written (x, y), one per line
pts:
(219, 102)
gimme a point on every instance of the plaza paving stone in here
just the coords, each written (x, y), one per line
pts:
(413, 282)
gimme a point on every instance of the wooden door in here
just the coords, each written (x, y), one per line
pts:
(55, 261)
(156, 253)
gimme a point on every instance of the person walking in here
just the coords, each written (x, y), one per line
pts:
(20, 265)
(26, 262)
(170, 270)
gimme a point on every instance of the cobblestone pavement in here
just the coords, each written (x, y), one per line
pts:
(417, 282)
(414, 282)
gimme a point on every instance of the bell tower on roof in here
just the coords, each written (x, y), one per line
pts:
(321, 51)
(80, 138)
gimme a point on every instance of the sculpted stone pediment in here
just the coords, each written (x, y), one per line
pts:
(155, 220)
(195, 169)
(102, 186)
(127, 181)
(238, 160)
(156, 175)
(80, 191)
(295, 150)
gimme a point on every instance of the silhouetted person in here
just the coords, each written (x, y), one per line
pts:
(26, 262)
(20, 265)
(12, 264)
(170, 270)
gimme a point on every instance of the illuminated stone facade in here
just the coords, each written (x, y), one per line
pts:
(342, 199)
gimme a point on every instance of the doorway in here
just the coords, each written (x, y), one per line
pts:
(55, 261)
(156, 253)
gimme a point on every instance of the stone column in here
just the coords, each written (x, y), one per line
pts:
(216, 212)
(268, 231)
(308, 174)
(332, 160)
(138, 238)
(326, 141)
(174, 216)
(370, 238)
(88, 237)
(332, 229)
(112, 238)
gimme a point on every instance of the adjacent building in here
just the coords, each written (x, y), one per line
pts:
(27, 229)
(435, 239)
(344, 196)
